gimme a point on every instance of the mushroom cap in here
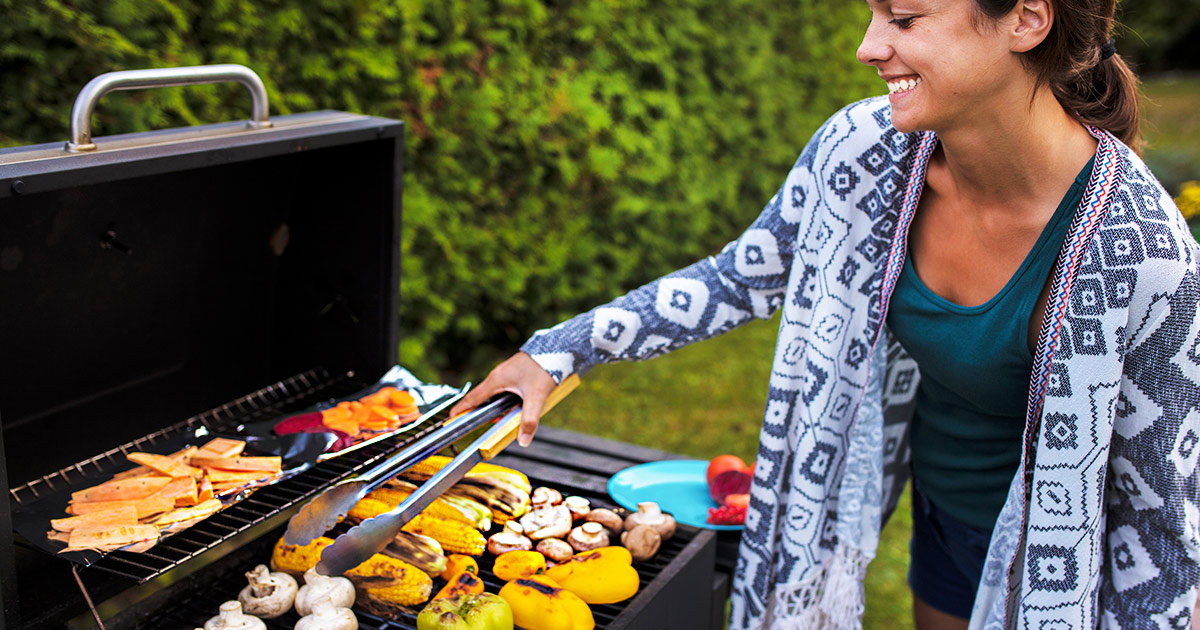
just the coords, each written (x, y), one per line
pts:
(642, 542)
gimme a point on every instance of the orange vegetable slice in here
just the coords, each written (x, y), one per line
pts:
(222, 447)
(122, 489)
(162, 464)
(272, 464)
(106, 537)
(122, 515)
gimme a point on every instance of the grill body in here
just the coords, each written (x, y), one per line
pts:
(173, 272)
(202, 278)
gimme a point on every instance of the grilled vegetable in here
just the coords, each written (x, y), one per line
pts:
(458, 563)
(539, 603)
(338, 590)
(481, 611)
(231, 617)
(396, 581)
(121, 515)
(600, 576)
(463, 510)
(296, 559)
(426, 469)
(325, 616)
(519, 564)
(454, 536)
(269, 594)
(420, 551)
(465, 583)
(122, 489)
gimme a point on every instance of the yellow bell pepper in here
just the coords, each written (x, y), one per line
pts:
(511, 565)
(600, 576)
(538, 603)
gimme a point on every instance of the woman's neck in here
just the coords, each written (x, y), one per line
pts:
(1015, 156)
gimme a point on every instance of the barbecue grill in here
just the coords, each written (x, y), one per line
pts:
(191, 281)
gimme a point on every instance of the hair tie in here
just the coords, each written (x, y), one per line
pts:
(1108, 49)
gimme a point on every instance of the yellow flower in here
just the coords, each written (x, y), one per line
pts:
(1189, 199)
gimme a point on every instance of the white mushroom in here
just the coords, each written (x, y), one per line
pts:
(649, 514)
(587, 537)
(579, 506)
(338, 590)
(555, 550)
(608, 518)
(543, 496)
(231, 617)
(552, 521)
(641, 541)
(325, 616)
(511, 538)
(268, 595)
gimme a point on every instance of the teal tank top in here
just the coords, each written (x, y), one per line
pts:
(975, 369)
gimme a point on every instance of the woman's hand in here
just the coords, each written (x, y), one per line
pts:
(521, 375)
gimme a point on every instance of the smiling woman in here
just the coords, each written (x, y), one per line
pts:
(978, 270)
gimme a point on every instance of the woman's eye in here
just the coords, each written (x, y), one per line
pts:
(902, 23)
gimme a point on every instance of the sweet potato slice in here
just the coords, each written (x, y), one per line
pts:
(145, 507)
(186, 514)
(122, 515)
(204, 491)
(183, 490)
(217, 475)
(163, 464)
(122, 489)
(271, 464)
(222, 447)
(180, 456)
(107, 537)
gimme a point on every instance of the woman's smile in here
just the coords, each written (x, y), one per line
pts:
(901, 86)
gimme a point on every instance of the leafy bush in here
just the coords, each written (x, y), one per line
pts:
(558, 152)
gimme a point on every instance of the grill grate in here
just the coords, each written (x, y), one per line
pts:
(192, 608)
(294, 394)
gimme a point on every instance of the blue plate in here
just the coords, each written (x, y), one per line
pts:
(678, 486)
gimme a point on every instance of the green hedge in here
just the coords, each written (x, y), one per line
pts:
(559, 152)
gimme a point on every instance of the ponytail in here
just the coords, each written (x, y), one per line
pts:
(1094, 85)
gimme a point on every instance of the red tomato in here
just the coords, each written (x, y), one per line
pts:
(722, 463)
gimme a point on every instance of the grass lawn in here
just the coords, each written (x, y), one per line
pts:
(708, 398)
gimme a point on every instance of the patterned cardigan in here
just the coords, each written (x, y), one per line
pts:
(1101, 527)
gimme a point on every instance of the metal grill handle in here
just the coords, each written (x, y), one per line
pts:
(85, 103)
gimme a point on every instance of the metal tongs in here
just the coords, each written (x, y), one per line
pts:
(373, 535)
(323, 512)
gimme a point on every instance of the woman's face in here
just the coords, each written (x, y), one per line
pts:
(942, 71)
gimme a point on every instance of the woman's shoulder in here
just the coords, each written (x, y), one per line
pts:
(859, 136)
(1142, 240)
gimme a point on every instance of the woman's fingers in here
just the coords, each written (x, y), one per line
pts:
(521, 375)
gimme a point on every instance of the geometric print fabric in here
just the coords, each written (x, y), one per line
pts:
(1101, 523)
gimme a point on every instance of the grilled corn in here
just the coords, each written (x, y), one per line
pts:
(296, 559)
(454, 536)
(395, 581)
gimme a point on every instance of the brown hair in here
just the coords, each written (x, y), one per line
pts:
(1095, 90)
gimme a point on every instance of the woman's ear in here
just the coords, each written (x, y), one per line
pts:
(1033, 19)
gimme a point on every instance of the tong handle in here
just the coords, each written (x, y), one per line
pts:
(502, 438)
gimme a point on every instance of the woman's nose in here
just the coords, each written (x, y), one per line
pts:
(873, 48)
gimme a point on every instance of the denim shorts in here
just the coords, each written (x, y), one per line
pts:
(947, 558)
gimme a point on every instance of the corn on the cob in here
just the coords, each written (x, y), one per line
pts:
(392, 580)
(295, 559)
(368, 508)
(477, 516)
(420, 551)
(426, 469)
(454, 536)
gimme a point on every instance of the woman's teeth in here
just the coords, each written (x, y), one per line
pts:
(902, 85)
